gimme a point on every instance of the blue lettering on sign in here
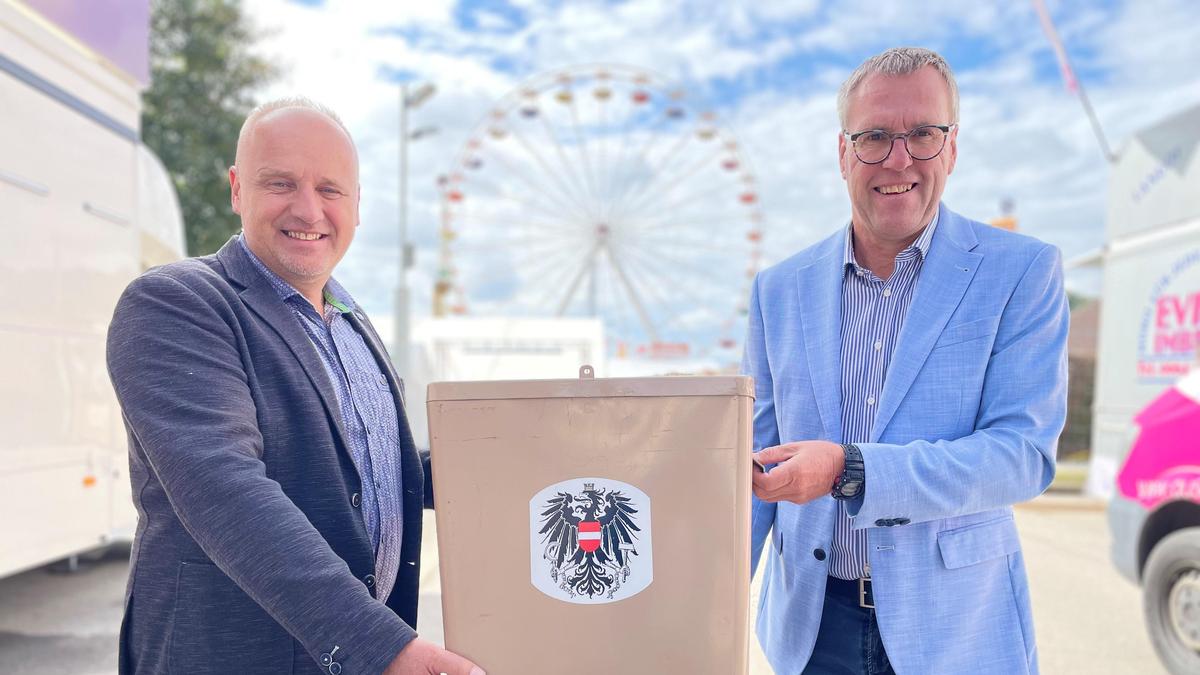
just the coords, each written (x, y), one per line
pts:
(1156, 176)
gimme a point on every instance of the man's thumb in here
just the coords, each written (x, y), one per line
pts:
(772, 455)
(453, 664)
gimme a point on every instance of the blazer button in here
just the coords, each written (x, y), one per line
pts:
(356, 500)
(902, 521)
(369, 580)
(326, 659)
(335, 668)
(819, 554)
(884, 522)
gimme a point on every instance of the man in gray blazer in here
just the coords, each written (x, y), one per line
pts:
(276, 480)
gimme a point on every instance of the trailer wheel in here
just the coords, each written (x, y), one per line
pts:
(1171, 600)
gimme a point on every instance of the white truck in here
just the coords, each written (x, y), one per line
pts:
(86, 208)
(1148, 339)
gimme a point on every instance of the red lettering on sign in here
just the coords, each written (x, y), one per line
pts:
(1175, 311)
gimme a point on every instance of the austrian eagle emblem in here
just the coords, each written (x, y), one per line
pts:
(591, 540)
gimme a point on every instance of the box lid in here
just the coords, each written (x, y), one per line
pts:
(671, 385)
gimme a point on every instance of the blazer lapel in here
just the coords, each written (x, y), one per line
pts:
(819, 293)
(262, 299)
(945, 275)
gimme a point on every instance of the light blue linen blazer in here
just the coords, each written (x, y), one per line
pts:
(968, 423)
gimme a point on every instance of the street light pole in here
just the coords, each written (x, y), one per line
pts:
(401, 342)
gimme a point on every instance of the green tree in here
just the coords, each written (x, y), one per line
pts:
(203, 74)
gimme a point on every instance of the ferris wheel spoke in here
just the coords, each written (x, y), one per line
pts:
(523, 202)
(570, 169)
(700, 273)
(686, 245)
(559, 274)
(536, 187)
(536, 262)
(634, 297)
(601, 151)
(669, 219)
(618, 324)
(652, 266)
(655, 171)
(649, 284)
(555, 176)
(653, 137)
(681, 202)
(648, 195)
(583, 153)
(558, 227)
(554, 266)
(526, 246)
(583, 270)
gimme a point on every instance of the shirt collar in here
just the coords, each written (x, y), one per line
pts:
(921, 245)
(336, 296)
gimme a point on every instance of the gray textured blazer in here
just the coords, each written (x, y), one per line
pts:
(251, 555)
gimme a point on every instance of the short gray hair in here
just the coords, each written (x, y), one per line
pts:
(893, 62)
(271, 106)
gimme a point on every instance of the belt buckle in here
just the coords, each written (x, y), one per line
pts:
(866, 598)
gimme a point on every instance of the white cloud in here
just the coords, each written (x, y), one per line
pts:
(1021, 136)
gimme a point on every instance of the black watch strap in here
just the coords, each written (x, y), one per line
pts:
(854, 476)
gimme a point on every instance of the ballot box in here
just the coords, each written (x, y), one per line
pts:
(594, 525)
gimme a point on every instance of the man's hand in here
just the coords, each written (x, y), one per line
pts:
(420, 657)
(804, 471)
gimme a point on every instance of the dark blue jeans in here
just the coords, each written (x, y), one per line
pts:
(848, 641)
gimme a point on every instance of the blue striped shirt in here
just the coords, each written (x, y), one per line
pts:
(873, 312)
(368, 413)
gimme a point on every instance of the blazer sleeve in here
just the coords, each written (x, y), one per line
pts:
(427, 465)
(766, 427)
(174, 360)
(1010, 457)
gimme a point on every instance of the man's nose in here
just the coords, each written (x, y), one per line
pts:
(899, 158)
(307, 206)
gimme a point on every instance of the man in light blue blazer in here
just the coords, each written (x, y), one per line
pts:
(910, 374)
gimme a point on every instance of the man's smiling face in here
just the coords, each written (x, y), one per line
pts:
(893, 200)
(295, 186)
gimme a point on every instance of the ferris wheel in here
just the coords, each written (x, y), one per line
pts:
(602, 191)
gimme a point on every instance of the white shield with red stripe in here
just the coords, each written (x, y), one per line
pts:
(590, 541)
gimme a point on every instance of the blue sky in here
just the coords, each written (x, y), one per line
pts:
(770, 70)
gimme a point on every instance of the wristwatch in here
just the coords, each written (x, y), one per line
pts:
(850, 484)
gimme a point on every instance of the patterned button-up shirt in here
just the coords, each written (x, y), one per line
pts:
(368, 413)
(873, 312)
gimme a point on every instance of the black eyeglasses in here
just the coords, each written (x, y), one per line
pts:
(875, 145)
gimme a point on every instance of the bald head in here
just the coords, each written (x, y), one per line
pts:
(277, 107)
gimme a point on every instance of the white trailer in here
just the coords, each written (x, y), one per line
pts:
(86, 208)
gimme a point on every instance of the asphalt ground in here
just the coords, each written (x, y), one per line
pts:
(1088, 619)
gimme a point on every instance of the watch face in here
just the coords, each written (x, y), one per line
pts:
(850, 488)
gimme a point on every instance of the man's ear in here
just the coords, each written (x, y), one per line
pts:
(235, 190)
(953, 143)
(842, 154)
(358, 209)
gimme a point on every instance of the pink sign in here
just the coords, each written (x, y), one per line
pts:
(1164, 464)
